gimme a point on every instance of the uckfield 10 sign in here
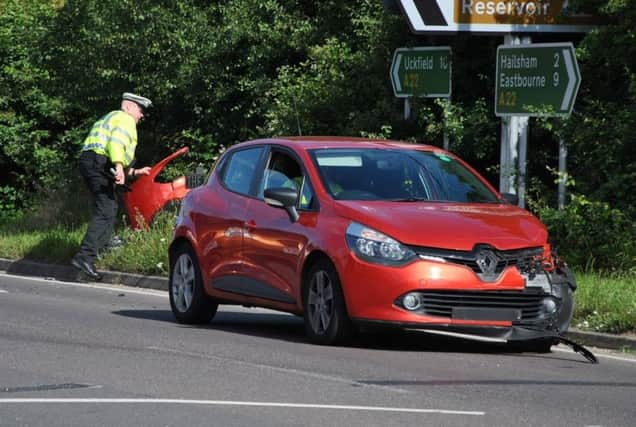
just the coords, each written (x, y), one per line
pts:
(421, 72)
(494, 16)
(536, 79)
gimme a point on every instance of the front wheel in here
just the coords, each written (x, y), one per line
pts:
(188, 300)
(326, 319)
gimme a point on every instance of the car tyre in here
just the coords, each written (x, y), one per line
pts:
(325, 311)
(188, 300)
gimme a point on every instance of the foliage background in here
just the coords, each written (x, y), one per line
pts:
(225, 71)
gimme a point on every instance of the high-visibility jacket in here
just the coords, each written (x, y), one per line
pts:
(113, 136)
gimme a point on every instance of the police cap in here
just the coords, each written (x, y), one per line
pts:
(140, 100)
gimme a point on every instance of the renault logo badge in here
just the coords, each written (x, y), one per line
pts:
(487, 261)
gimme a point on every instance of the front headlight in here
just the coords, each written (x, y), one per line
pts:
(373, 246)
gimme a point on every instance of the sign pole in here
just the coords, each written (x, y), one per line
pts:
(563, 155)
(509, 135)
(407, 109)
(523, 152)
(446, 138)
(508, 155)
(523, 147)
(514, 144)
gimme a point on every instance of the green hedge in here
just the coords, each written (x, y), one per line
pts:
(592, 235)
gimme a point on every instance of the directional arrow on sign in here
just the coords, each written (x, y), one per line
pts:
(536, 79)
(395, 77)
(422, 72)
(493, 16)
(574, 79)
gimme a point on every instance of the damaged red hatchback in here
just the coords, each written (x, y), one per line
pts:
(349, 232)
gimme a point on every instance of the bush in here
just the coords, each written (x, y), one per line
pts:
(591, 234)
(8, 201)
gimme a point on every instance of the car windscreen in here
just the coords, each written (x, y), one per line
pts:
(398, 175)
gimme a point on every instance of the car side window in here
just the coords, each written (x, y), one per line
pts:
(284, 171)
(240, 169)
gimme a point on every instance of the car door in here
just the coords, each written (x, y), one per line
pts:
(273, 246)
(222, 218)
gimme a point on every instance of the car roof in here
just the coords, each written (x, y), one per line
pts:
(315, 142)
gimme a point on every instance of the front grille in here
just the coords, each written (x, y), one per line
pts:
(524, 259)
(441, 303)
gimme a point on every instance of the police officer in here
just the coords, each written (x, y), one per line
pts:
(109, 147)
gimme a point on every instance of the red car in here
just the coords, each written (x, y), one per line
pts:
(349, 232)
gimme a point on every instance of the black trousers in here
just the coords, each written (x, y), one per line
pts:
(95, 169)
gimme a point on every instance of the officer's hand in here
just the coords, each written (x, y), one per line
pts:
(143, 171)
(120, 178)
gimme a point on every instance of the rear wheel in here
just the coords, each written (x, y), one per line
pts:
(188, 300)
(326, 319)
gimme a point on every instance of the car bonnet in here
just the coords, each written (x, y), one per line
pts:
(458, 226)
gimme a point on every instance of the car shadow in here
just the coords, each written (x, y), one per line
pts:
(290, 328)
(156, 315)
(280, 326)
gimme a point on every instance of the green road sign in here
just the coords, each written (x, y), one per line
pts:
(536, 80)
(422, 71)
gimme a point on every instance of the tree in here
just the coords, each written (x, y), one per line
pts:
(28, 114)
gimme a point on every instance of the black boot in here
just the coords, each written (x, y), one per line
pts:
(86, 267)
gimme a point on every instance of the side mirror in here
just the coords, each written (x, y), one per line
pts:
(285, 198)
(513, 199)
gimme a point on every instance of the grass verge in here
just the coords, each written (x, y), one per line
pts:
(605, 302)
(144, 251)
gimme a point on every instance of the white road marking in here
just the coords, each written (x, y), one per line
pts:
(114, 288)
(2, 291)
(240, 403)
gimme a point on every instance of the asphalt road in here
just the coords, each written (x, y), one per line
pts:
(92, 355)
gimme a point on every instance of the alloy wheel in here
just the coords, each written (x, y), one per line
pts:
(320, 302)
(183, 278)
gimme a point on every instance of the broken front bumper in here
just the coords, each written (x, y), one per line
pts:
(543, 309)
